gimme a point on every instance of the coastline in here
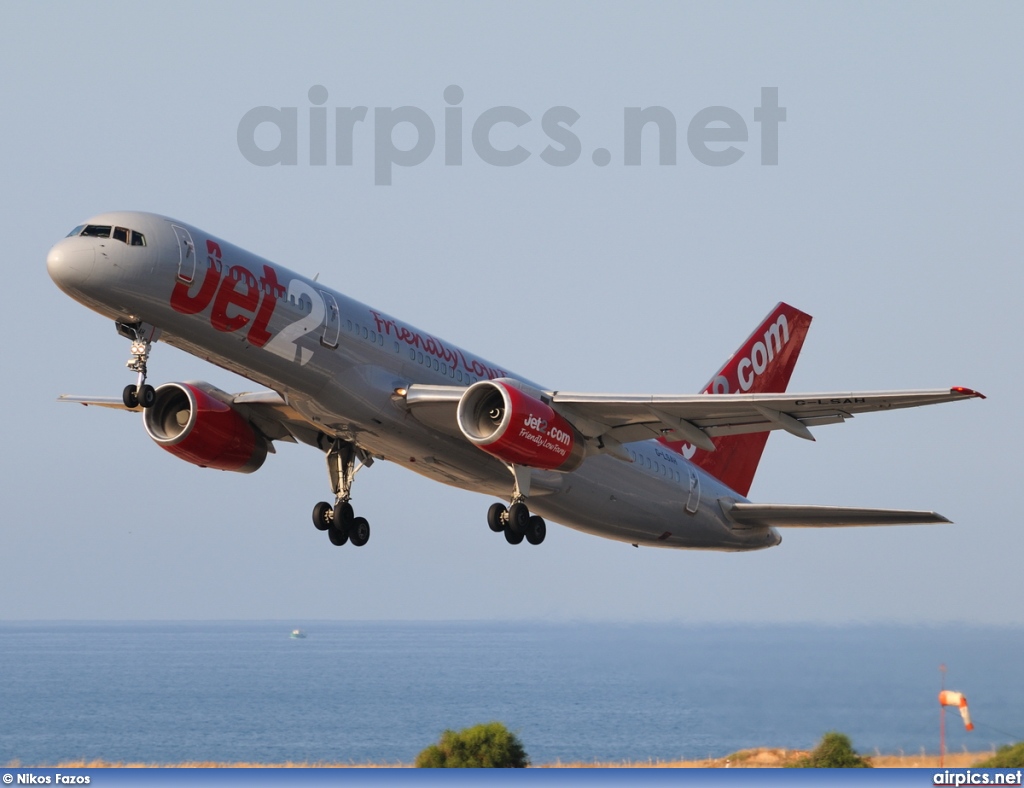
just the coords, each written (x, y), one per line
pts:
(756, 758)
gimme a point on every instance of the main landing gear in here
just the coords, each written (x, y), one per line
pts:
(339, 520)
(140, 392)
(516, 522)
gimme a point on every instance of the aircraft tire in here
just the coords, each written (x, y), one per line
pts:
(320, 516)
(495, 521)
(536, 530)
(147, 396)
(343, 516)
(518, 518)
(338, 538)
(129, 396)
(359, 531)
(513, 537)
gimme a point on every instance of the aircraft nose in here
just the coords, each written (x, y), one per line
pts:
(70, 263)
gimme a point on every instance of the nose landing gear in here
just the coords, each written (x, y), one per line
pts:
(339, 520)
(142, 337)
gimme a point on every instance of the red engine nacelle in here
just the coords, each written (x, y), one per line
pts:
(201, 429)
(518, 428)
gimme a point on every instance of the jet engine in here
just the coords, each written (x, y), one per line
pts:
(194, 425)
(518, 428)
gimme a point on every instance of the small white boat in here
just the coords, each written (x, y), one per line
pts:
(298, 633)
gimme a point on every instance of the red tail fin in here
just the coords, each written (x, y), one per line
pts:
(764, 363)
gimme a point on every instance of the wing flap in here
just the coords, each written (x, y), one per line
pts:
(775, 515)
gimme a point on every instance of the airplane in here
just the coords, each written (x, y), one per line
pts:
(667, 471)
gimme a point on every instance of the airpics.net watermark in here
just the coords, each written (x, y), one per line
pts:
(269, 136)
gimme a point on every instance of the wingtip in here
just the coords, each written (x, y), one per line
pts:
(71, 399)
(967, 392)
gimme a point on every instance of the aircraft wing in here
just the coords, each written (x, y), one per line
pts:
(759, 515)
(436, 406)
(699, 417)
(268, 411)
(694, 418)
(99, 402)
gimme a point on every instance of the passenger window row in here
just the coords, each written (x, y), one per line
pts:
(365, 333)
(415, 355)
(437, 365)
(655, 466)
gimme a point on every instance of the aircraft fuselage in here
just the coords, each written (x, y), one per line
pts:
(340, 363)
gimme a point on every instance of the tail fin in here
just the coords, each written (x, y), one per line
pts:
(764, 363)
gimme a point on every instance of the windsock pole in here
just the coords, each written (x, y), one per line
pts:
(942, 735)
(942, 718)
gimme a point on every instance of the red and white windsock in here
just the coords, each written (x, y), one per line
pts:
(950, 698)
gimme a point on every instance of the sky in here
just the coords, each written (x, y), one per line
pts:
(892, 216)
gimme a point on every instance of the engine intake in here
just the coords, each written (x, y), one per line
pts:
(518, 428)
(195, 426)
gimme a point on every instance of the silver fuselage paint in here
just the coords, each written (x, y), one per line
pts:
(341, 369)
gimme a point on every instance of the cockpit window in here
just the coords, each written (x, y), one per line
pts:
(122, 234)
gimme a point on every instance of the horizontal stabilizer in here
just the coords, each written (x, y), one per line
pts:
(778, 515)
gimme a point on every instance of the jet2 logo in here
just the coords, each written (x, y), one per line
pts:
(537, 424)
(240, 299)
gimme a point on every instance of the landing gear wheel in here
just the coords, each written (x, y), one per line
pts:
(343, 516)
(129, 396)
(496, 517)
(147, 396)
(518, 517)
(359, 531)
(536, 530)
(513, 537)
(323, 516)
(338, 538)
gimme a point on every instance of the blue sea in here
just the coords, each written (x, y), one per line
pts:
(380, 692)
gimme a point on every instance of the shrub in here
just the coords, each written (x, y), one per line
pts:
(1009, 756)
(834, 751)
(489, 746)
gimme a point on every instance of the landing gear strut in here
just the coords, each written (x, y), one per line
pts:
(516, 522)
(339, 520)
(140, 392)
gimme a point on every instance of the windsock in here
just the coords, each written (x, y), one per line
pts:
(950, 698)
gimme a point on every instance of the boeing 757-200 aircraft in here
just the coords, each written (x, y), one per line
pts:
(362, 386)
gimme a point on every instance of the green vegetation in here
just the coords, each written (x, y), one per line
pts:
(834, 751)
(1009, 756)
(489, 746)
